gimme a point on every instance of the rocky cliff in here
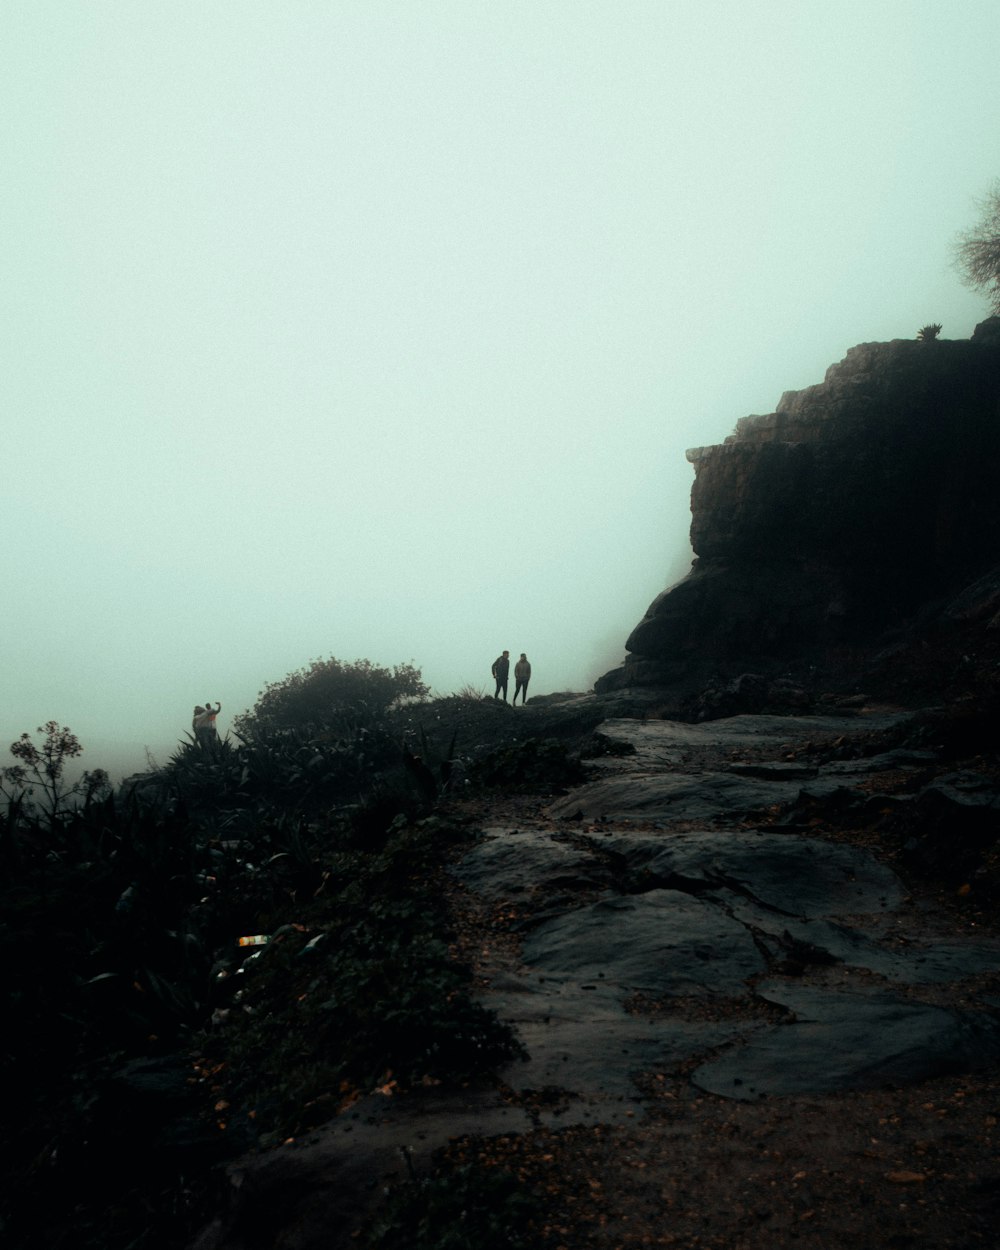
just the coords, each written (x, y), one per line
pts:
(861, 506)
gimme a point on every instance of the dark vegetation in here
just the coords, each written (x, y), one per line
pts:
(145, 1047)
(463, 1208)
(325, 689)
(146, 1044)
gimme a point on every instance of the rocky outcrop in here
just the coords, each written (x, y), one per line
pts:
(856, 505)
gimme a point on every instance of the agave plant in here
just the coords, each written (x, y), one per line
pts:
(928, 333)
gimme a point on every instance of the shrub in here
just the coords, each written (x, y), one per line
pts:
(123, 963)
(472, 694)
(327, 693)
(536, 761)
(39, 775)
(928, 333)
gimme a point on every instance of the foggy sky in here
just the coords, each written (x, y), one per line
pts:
(380, 330)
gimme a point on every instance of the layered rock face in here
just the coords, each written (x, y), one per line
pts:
(853, 506)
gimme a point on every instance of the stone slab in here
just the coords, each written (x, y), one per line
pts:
(841, 1041)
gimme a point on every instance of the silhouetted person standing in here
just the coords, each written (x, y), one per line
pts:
(204, 724)
(522, 675)
(500, 670)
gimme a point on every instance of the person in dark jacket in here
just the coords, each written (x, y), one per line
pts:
(500, 670)
(522, 675)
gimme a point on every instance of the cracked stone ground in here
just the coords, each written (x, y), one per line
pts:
(737, 1033)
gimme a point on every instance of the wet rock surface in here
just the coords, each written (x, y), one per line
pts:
(671, 939)
(661, 942)
(709, 913)
(834, 1040)
(659, 781)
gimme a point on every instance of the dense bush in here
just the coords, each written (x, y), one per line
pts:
(359, 991)
(329, 694)
(130, 992)
(534, 761)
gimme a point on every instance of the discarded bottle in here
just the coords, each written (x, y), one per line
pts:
(257, 939)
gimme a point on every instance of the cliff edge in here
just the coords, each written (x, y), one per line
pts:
(863, 509)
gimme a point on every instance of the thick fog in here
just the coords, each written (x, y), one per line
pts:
(380, 330)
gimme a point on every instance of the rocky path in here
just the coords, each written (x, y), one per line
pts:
(800, 963)
(739, 1031)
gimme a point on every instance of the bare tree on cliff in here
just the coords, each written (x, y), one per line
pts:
(978, 249)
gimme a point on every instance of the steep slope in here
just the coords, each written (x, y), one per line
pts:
(860, 506)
